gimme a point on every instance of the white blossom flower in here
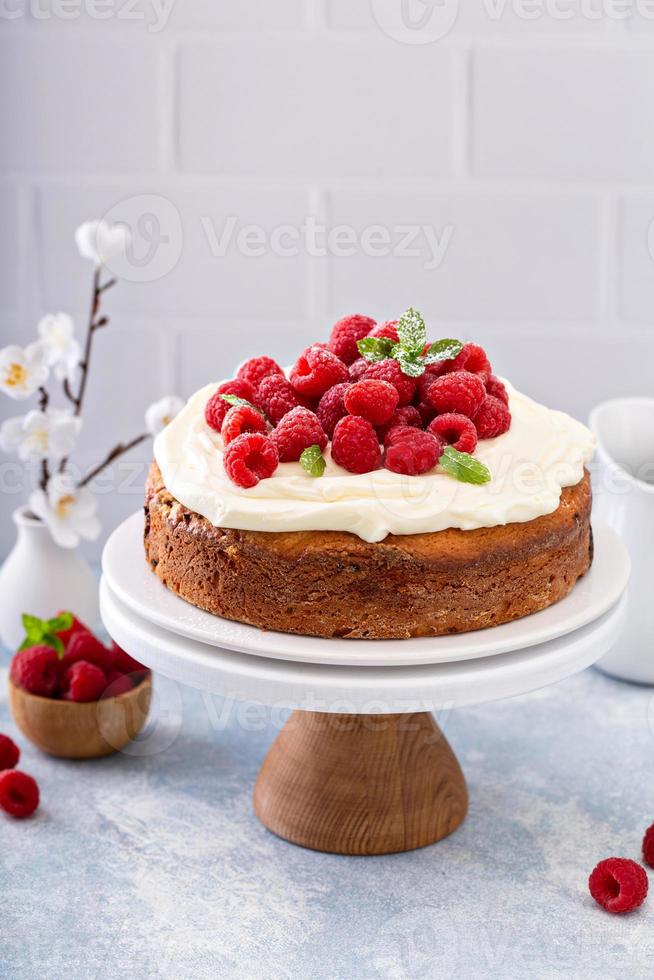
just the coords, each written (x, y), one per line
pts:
(62, 350)
(67, 510)
(161, 413)
(101, 242)
(40, 435)
(23, 370)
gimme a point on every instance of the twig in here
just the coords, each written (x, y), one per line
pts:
(111, 456)
(44, 398)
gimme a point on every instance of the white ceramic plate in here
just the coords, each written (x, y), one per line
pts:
(138, 588)
(373, 691)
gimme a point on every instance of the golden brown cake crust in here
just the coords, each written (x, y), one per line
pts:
(333, 584)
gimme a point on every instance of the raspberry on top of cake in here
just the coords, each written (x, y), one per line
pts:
(378, 431)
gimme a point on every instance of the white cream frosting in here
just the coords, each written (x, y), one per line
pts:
(542, 452)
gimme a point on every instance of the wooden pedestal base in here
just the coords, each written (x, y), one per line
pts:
(361, 784)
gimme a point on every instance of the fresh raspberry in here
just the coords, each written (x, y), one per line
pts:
(389, 370)
(455, 430)
(495, 388)
(19, 794)
(117, 684)
(76, 626)
(217, 408)
(346, 332)
(459, 392)
(492, 419)
(358, 369)
(315, 371)
(387, 329)
(240, 419)
(83, 681)
(298, 430)
(256, 369)
(276, 397)
(405, 416)
(123, 663)
(411, 451)
(355, 446)
(331, 408)
(9, 753)
(648, 846)
(427, 378)
(36, 669)
(85, 646)
(250, 458)
(372, 399)
(618, 884)
(426, 411)
(473, 359)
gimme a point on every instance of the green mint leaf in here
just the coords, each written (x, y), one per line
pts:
(43, 632)
(412, 332)
(32, 624)
(410, 364)
(376, 348)
(242, 403)
(443, 350)
(312, 461)
(464, 467)
(60, 623)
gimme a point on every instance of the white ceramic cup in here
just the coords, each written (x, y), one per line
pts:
(623, 490)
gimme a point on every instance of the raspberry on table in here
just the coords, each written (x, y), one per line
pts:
(411, 451)
(389, 370)
(473, 359)
(316, 370)
(492, 419)
(298, 430)
(240, 419)
(85, 646)
(459, 392)
(331, 408)
(408, 415)
(358, 368)
(455, 430)
(9, 753)
(216, 408)
(250, 458)
(19, 793)
(387, 329)
(355, 446)
(346, 332)
(618, 884)
(117, 684)
(83, 681)
(648, 846)
(496, 388)
(275, 396)
(256, 369)
(36, 669)
(372, 399)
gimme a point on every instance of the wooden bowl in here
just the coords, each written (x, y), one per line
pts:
(73, 730)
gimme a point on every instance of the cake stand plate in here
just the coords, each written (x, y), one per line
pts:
(133, 582)
(361, 767)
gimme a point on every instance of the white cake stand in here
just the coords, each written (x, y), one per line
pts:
(360, 766)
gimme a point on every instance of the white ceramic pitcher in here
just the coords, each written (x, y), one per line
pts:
(624, 497)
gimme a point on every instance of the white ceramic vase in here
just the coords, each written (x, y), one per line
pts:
(40, 577)
(624, 498)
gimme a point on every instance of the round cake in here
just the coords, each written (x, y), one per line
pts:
(416, 545)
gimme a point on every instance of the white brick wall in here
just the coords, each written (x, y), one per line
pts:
(518, 150)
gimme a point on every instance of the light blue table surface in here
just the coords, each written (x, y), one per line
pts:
(153, 865)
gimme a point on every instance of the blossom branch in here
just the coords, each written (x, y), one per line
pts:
(44, 398)
(93, 325)
(117, 451)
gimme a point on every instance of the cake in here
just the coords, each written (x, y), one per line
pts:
(383, 487)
